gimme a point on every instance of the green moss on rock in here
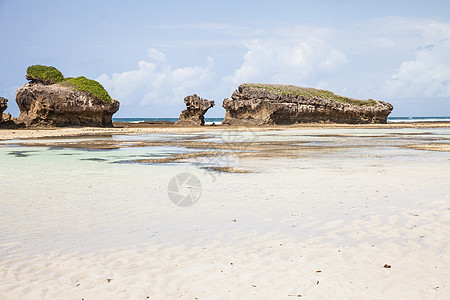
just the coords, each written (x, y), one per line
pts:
(51, 75)
(309, 92)
(44, 74)
(88, 85)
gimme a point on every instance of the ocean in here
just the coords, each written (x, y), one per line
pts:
(218, 121)
(208, 121)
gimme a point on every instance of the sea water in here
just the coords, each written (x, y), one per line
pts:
(218, 121)
(88, 200)
(208, 121)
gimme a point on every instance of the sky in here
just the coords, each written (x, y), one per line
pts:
(149, 55)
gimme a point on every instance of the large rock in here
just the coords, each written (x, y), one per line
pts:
(193, 115)
(261, 104)
(60, 105)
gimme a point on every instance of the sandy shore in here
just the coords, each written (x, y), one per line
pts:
(8, 134)
(325, 212)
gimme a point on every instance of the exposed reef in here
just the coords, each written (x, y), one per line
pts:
(196, 108)
(52, 100)
(267, 104)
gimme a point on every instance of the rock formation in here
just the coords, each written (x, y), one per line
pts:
(58, 105)
(3, 107)
(52, 100)
(196, 107)
(6, 121)
(261, 104)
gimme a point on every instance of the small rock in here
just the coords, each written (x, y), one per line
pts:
(196, 107)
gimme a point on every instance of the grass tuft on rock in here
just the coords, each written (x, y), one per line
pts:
(88, 85)
(310, 93)
(51, 75)
(44, 74)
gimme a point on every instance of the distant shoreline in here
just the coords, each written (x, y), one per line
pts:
(168, 124)
(218, 121)
(122, 128)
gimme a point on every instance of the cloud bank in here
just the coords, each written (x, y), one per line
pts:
(155, 82)
(428, 75)
(403, 60)
(274, 62)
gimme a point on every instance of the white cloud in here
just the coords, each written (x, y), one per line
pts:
(428, 74)
(418, 48)
(157, 82)
(156, 55)
(281, 62)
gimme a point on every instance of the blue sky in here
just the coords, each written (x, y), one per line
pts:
(149, 55)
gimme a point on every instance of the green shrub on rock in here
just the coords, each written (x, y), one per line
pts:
(88, 85)
(51, 75)
(44, 74)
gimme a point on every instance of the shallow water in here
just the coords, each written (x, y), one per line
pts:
(76, 216)
(62, 197)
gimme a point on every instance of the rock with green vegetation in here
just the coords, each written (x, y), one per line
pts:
(265, 104)
(88, 85)
(44, 74)
(49, 99)
(50, 75)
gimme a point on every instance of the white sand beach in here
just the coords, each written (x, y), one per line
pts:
(352, 214)
(217, 150)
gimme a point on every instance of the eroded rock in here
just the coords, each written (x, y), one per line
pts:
(60, 105)
(264, 104)
(193, 115)
(6, 120)
(3, 107)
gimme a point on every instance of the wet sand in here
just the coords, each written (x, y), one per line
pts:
(308, 212)
(143, 128)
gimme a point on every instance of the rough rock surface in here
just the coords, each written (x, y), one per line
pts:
(6, 121)
(196, 107)
(59, 105)
(256, 104)
(3, 107)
